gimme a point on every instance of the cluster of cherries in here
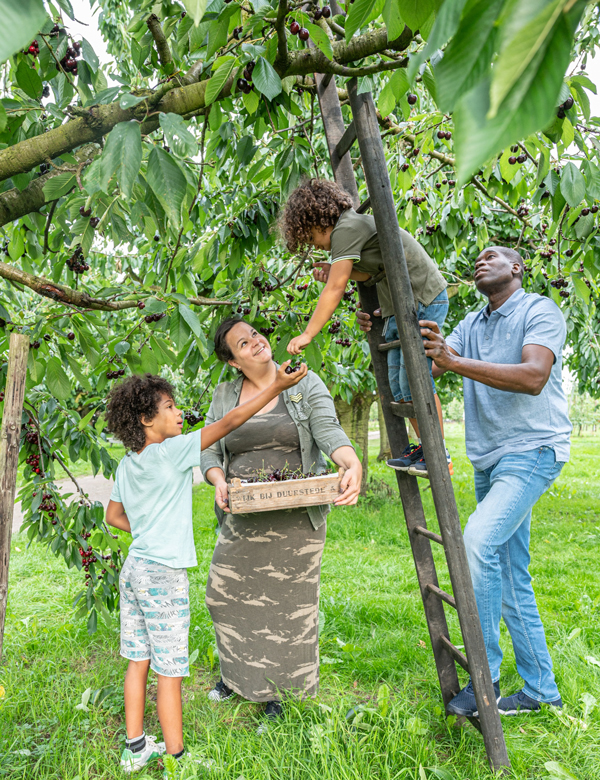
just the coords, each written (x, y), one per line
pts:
(281, 475)
(417, 199)
(116, 373)
(522, 211)
(335, 326)
(324, 12)
(292, 369)
(302, 287)
(69, 61)
(244, 84)
(564, 107)
(193, 418)
(513, 160)
(262, 287)
(76, 262)
(34, 48)
(430, 229)
(153, 317)
(344, 342)
(444, 134)
(33, 459)
(267, 331)
(94, 221)
(301, 32)
(48, 505)
(89, 557)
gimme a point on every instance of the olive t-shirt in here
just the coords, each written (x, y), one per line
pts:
(354, 237)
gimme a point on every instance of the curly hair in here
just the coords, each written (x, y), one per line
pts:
(317, 203)
(129, 401)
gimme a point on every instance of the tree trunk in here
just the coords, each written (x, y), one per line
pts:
(354, 419)
(9, 457)
(384, 443)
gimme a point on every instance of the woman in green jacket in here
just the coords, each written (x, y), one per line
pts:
(263, 583)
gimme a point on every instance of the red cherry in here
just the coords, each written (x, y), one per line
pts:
(304, 35)
(294, 28)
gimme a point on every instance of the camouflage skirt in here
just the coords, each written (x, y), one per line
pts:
(263, 596)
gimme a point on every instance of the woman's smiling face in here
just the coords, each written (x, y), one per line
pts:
(248, 346)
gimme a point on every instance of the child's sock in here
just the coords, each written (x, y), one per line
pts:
(137, 744)
(178, 755)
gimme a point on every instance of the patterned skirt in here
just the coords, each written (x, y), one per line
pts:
(263, 596)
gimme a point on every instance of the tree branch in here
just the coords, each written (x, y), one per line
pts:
(63, 294)
(162, 45)
(94, 123)
(281, 61)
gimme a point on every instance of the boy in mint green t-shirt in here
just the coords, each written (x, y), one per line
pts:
(152, 500)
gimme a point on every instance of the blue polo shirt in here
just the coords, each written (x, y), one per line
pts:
(498, 422)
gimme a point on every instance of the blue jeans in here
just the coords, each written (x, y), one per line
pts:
(497, 544)
(398, 378)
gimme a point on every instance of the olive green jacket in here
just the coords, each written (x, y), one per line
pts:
(310, 406)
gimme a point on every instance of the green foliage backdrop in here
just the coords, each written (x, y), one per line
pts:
(138, 210)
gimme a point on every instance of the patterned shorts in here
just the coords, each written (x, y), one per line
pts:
(155, 615)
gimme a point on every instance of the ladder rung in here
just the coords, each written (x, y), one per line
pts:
(441, 594)
(403, 410)
(390, 345)
(364, 206)
(459, 657)
(346, 141)
(418, 529)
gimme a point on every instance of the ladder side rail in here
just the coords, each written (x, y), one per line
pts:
(413, 511)
(384, 211)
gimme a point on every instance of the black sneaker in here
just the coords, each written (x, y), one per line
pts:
(411, 454)
(520, 704)
(220, 692)
(464, 702)
(272, 712)
(418, 468)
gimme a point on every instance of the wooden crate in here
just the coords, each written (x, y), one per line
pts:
(247, 497)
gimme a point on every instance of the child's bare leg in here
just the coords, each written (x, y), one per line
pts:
(136, 678)
(438, 405)
(168, 706)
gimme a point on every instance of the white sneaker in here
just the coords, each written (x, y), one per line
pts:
(133, 762)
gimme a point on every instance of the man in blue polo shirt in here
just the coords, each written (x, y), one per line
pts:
(517, 434)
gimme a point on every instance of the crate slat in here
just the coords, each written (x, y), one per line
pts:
(248, 497)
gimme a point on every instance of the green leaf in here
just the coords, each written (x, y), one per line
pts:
(572, 185)
(196, 9)
(28, 80)
(245, 150)
(358, 16)
(85, 420)
(592, 176)
(524, 111)
(122, 157)
(3, 117)
(581, 288)
(265, 78)
(121, 347)
(59, 185)
(393, 19)
(313, 356)
(76, 368)
(320, 38)
(129, 101)
(89, 55)
(468, 54)
(251, 101)
(392, 92)
(217, 82)
(192, 319)
(559, 771)
(67, 8)
(179, 138)
(57, 380)
(167, 182)
(517, 54)
(446, 24)
(21, 21)
(415, 12)
(149, 362)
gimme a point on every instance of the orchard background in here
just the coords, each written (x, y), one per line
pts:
(139, 197)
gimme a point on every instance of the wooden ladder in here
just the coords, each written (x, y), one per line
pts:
(340, 139)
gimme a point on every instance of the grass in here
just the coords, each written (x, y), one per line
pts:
(374, 642)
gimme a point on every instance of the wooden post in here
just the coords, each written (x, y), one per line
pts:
(386, 221)
(9, 457)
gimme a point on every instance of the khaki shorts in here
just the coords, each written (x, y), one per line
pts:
(155, 615)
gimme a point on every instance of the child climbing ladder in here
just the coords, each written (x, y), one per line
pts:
(319, 213)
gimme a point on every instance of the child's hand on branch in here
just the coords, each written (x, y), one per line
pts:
(288, 378)
(296, 345)
(321, 271)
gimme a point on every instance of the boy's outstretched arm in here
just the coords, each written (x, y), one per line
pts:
(329, 300)
(115, 516)
(238, 416)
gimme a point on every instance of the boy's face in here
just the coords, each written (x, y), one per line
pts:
(321, 239)
(167, 423)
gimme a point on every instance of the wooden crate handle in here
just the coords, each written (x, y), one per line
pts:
(236, 483)
(341, 472)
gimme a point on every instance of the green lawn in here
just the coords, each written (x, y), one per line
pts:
(374, 635)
